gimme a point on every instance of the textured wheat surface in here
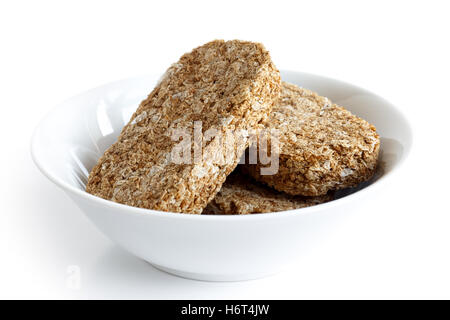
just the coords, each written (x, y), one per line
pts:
(222, 85)
(323, 146)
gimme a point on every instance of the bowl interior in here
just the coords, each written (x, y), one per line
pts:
(71, 138)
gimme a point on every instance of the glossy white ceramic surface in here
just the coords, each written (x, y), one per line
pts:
(70, 139)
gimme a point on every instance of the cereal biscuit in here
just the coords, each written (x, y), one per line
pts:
(322, 146)
(240, 194)
(222, 85)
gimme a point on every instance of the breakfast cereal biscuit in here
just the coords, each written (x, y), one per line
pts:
(240, 194)
(223, 86)
(322, 146)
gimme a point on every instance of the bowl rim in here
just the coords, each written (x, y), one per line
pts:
(200, 217)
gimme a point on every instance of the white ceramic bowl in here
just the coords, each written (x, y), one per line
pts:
(70, 139)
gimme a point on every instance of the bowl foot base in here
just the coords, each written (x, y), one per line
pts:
(213, 277)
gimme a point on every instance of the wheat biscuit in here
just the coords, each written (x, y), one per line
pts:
(226, 86)
(322, 145)
(240, 194)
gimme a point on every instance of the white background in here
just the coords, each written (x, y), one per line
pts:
(50, 50)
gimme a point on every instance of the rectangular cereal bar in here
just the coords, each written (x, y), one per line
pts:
(222, 87)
